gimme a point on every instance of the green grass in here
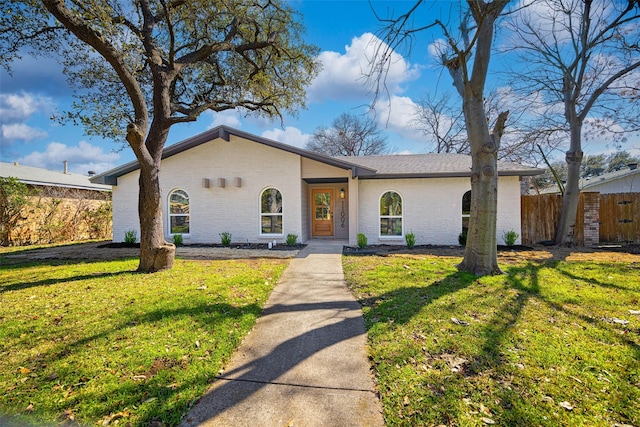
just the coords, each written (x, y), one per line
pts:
(536, 346)
(96, 342)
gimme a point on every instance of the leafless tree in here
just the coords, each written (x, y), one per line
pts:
(441, 120)
(582, 58)
(467, 60)
(349, 135)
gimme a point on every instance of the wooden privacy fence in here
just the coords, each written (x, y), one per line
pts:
(620, 217)
(607, 218)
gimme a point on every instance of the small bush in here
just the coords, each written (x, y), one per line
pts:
(410, 238)
(462, 238)
(362, 240)
(130, 237)
(510, 237)
(177, 239)
(292, 239)
(225, 238)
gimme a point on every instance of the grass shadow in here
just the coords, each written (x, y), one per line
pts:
(48, 282)
(465, 369)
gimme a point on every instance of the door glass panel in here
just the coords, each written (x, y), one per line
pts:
(323, 199)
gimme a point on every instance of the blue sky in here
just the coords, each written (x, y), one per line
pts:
(343, 30)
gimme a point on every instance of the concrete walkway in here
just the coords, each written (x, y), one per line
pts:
(304, 363)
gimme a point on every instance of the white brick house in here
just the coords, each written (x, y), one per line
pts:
(259, 190)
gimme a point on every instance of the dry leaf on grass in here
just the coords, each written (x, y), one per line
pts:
(566, 405)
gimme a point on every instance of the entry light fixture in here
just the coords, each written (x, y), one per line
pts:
(342, 193)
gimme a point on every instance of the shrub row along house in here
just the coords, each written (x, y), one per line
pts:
(229, 181)
(58, 206)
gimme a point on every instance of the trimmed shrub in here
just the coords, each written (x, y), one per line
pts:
(292, 239)
(225, 238)
(362, 240)
(130, 237)
(510, 237)
(410, 238)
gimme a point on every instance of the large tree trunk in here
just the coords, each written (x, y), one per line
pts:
(567, 223)
(480, 255)
(155, 253)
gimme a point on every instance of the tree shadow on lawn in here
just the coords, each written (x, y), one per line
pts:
(48, 282)
(522, 285)
(159, 391)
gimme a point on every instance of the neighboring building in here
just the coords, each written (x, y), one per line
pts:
(626, 180)
(62, 207)
(44, 178)
(259, 190)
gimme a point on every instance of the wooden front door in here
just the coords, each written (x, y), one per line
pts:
(322, 212)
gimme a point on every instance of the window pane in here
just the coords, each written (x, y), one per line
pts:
(323, 213)
(466, 203)
(179, 202)
(271, 201)
(391, 204)
(272, 224)
(323, 199)
(391, 226)
(180, 224)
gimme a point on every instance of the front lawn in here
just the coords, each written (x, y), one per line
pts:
(98, 344)
(550, 343)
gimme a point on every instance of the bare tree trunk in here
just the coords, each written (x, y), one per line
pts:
(480, 256)
(567, 224)
(155, 253)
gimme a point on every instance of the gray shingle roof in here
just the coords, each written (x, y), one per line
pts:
(365, 167)
(38, 176)
(586, 183)
(431, 165)
(594, 181)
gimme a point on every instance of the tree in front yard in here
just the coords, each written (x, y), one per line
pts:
(141, 66)
(467, 59)
(582, 57)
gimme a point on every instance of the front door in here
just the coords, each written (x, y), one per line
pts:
(322, 212)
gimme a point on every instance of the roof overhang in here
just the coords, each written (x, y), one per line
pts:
(223, 132)
(459, 174)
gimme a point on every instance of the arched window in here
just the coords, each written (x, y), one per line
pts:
(178, 212)
(390, 214)
(271, 212)
(466, 210)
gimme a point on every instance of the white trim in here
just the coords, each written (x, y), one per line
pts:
(260, 214)
(392, 237)
(170, 215)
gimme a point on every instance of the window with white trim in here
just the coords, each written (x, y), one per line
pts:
(466, 211)
(179, 212)
(390, 214)
(271, 212)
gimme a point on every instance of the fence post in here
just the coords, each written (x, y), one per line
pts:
(591, 218)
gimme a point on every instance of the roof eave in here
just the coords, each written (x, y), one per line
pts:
(453, 174)
(223, 132)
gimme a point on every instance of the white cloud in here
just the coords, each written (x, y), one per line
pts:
(290, 135)
(20, 131)
(344, 75)
(228, 117)
(397, 115)
(82, 158)
(437, 48)
(19, 107)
